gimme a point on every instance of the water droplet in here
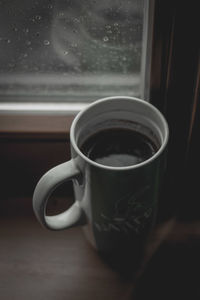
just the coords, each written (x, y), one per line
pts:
(28, 43)
(66, 52)
(76, 20)
(124, 58)
(77, 68)
(38, 17)
(50, 6)
(15, 29)
(61, 14)
(26, 30)
(116, 24)
(25, 54)
(11, 65)
(46, 42)
(105, 39)
(74, 45)
(8, 41)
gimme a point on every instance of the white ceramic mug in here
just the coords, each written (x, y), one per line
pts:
(116, 205)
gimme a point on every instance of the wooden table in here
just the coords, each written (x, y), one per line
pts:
(39, 264)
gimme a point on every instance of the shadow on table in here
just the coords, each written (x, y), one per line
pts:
(172, 273)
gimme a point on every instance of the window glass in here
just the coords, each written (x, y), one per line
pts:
(70, 50)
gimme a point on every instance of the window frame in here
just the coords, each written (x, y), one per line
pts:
(175, 91)
(37, 119)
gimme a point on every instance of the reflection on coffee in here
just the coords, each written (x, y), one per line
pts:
(118, 147)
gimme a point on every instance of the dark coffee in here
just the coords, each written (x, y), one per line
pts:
(118, 147)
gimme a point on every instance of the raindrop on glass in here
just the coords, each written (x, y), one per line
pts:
(46, 42)
(61, 14)
(37, 17)
(28, 43)
(11, 65)
(76, 20)
(105, 39)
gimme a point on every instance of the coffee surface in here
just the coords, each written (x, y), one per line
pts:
(118, 147)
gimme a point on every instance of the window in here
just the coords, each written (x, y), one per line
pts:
(71, 51)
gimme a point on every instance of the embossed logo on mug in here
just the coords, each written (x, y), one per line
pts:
(130, 214)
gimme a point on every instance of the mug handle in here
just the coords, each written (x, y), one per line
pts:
(47, 184)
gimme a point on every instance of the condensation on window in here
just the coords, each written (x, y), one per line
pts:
(68, 50)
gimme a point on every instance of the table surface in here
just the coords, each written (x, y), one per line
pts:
(39, 264)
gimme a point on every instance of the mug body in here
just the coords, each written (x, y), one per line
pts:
(120, 203)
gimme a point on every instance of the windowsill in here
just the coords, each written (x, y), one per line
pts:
(58, 265)
(35, 126)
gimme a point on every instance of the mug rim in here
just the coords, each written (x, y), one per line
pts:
(105, 167)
